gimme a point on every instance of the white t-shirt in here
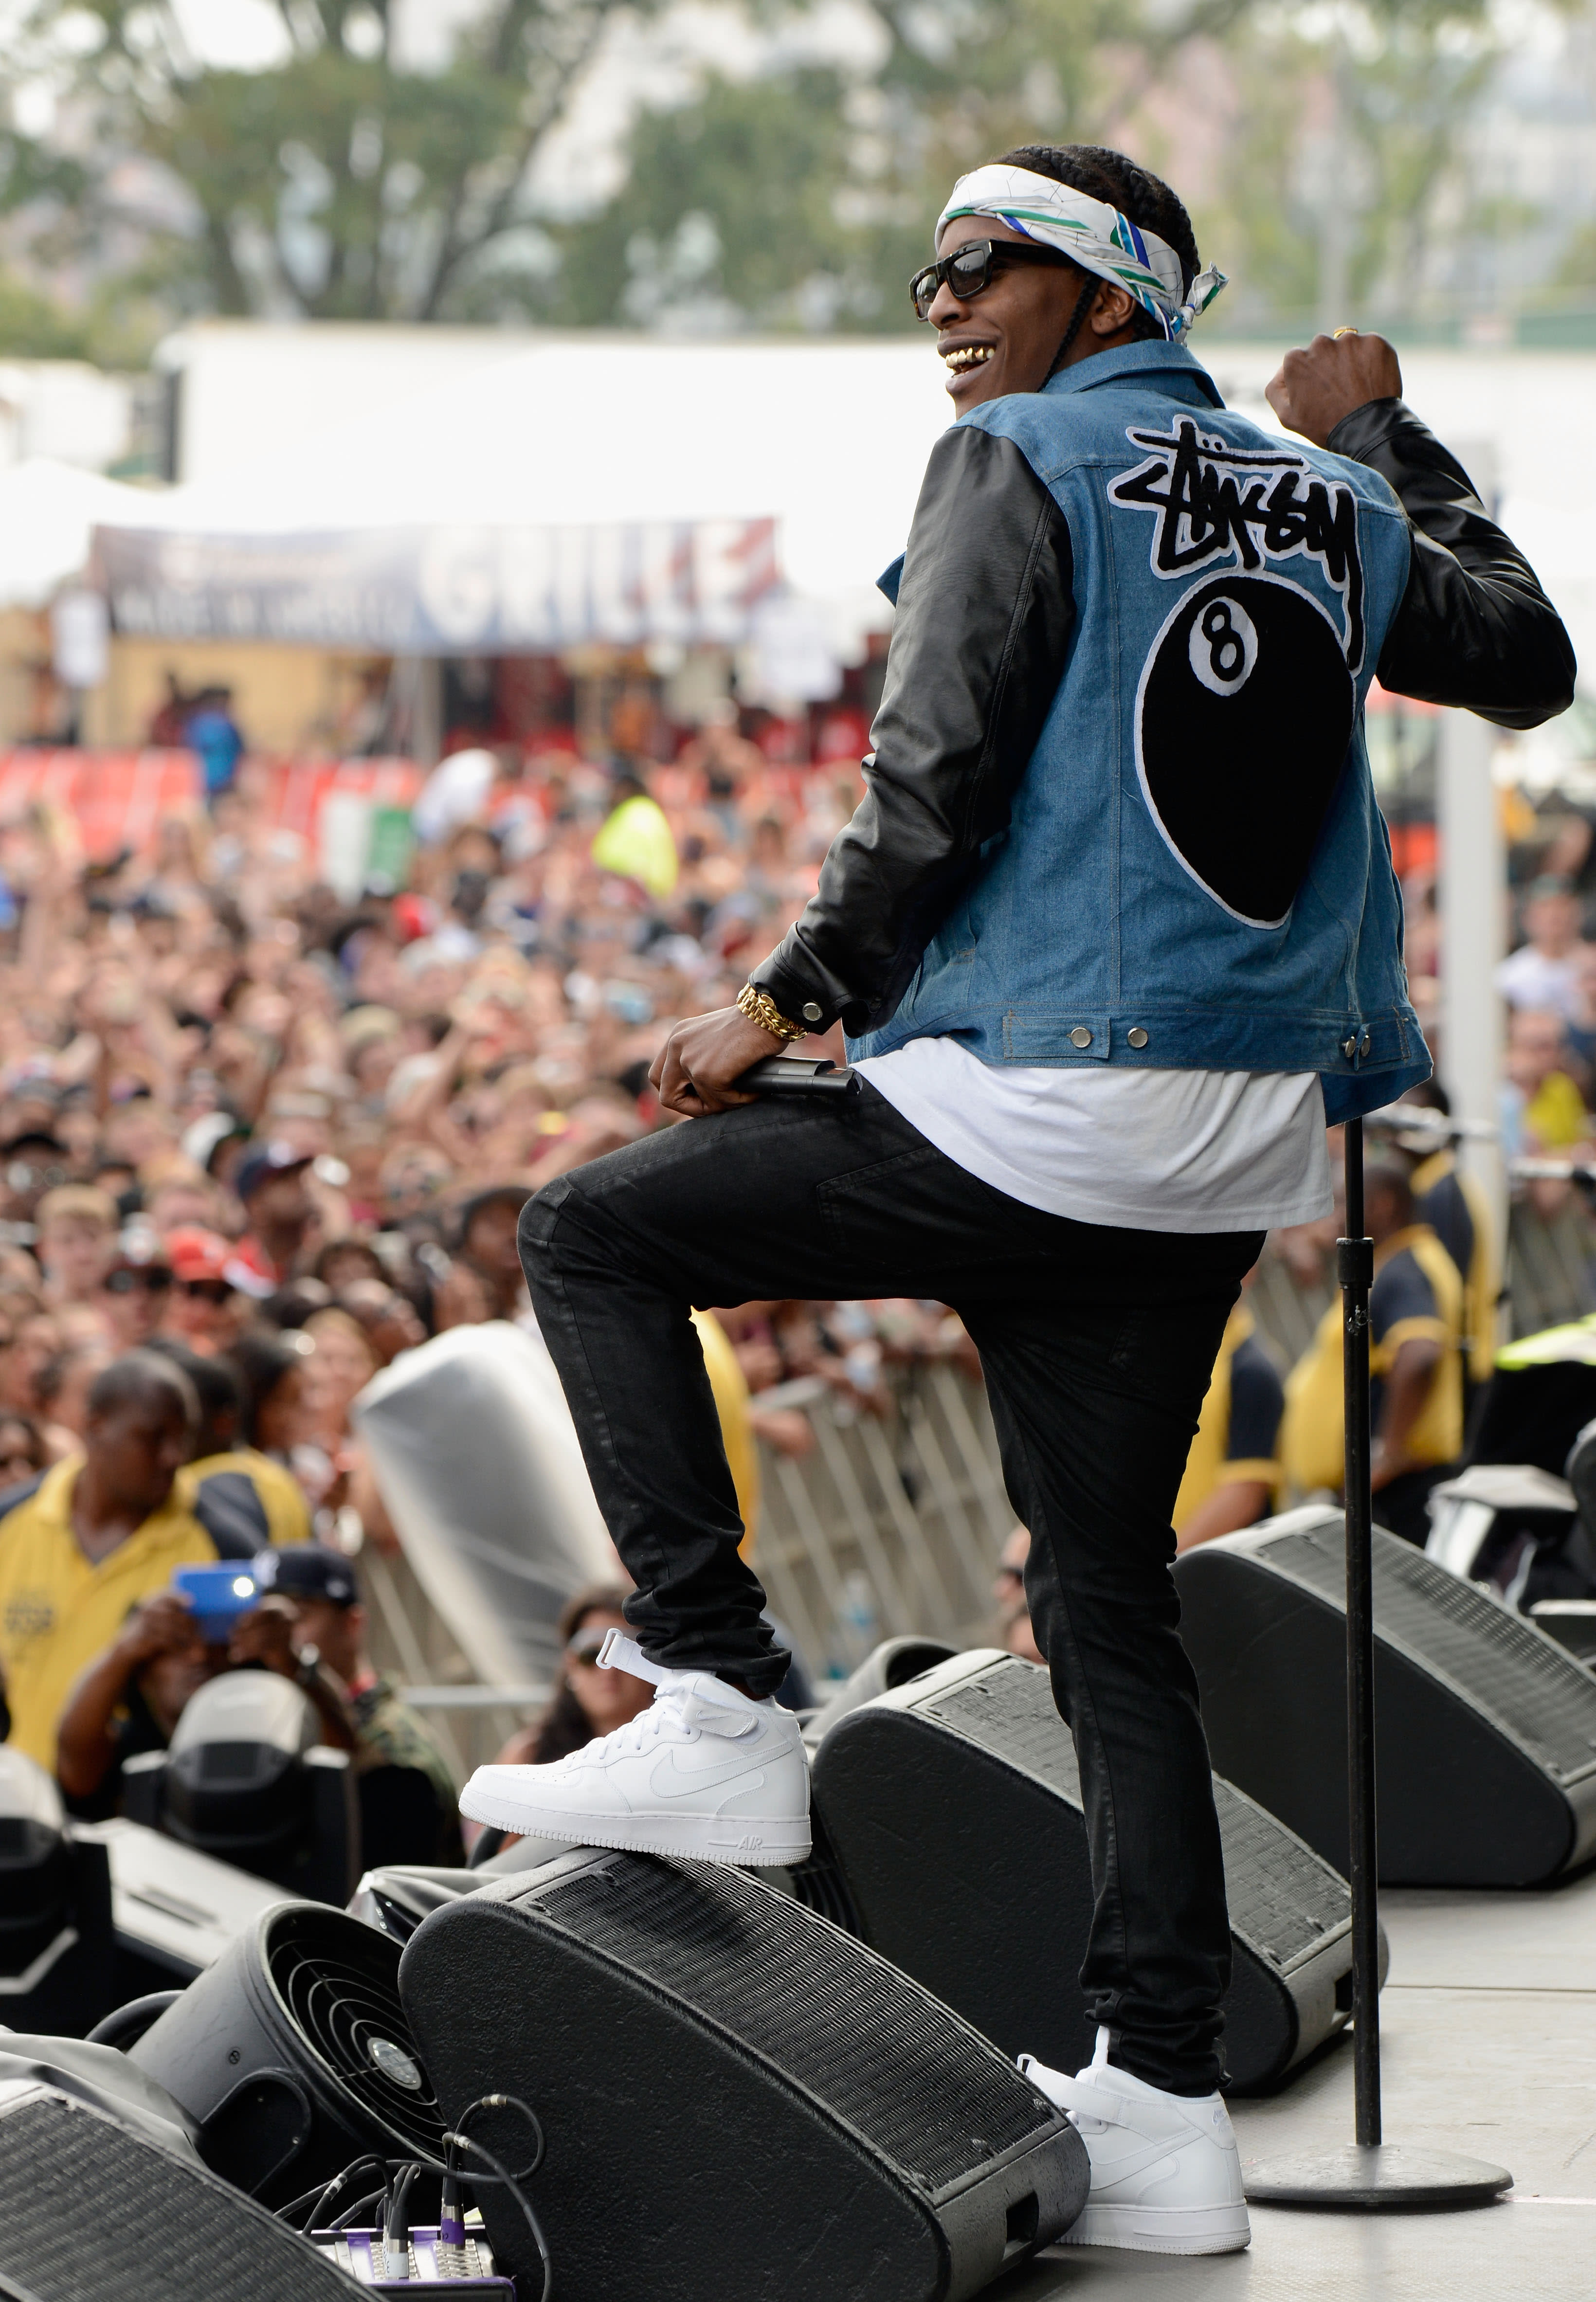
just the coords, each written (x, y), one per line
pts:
(1526, 978)
(1143, 1150)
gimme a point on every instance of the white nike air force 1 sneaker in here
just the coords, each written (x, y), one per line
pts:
(705, 1772)
(1166, 2174)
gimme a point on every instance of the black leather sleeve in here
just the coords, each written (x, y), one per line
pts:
(985, 615)
(1475, 628)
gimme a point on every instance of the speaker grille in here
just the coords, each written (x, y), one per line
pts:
(338, 1980)
(898, 2067)
(88, 2213)
(1009, 1709)
(1283, 1899)
(1516, 1676)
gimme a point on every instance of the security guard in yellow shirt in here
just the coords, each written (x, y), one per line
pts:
(1233, 1475)
(1453, 1205)
(98, 1533)
(1416, 1315)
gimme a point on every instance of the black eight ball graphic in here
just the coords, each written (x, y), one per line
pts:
(1244, 714)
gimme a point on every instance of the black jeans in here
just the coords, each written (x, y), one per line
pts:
(1097, 1345)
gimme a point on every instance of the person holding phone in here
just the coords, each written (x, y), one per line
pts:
(130, 1699)
(1112, 935)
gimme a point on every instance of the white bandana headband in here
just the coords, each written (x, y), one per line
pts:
(1091, 234)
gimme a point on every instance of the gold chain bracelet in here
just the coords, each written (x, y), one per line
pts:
(761, 1009)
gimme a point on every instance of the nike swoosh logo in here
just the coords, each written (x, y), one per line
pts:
(668, 1780)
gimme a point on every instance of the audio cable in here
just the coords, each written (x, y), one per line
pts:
(396, 2230)
(319, 2201)
(399, 2174)
(500, 2173)
(451, 2222)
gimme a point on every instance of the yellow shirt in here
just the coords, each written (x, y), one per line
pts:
(1556, 1114)
(58, 1610)
(730, 1387)
(1210, 1464)
(281, 1497)
(1313, 1446)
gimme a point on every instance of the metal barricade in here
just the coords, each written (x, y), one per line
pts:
(891, 1525)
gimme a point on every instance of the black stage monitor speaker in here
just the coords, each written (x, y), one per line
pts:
(293, 2055)
(397, 1896)
(739, 2098)
(93, 2211)
(57, 1969)
(953, 1806)
(894, 1663)
(1487, 1749)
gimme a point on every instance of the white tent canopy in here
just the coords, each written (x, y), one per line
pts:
(589, 488)
(602, 487)
(47, 512)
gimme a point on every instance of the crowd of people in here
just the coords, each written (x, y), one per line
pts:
(256, 1141)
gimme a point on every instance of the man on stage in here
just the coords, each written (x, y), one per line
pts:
(1113, 933)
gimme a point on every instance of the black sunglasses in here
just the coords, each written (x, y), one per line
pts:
(156, 1279)
(208, 1290)
(974, 266)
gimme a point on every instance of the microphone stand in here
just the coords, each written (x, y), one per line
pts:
(1372, 2175)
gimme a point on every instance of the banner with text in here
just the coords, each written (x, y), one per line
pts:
(445, 591)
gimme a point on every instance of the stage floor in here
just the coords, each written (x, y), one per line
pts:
(1488, 2024)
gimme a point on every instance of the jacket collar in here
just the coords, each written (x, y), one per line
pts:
(1164, 368)
(1167, 368)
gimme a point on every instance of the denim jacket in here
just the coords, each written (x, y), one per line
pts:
(1119, 807)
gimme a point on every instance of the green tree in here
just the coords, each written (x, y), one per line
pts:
(343, 183)
(1347, 168)
(804, 198)
(42, 197)
(734, 214)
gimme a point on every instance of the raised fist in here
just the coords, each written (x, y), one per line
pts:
(1311, 390)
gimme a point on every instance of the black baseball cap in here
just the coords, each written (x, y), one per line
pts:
(264, 1160)
(305, 1571)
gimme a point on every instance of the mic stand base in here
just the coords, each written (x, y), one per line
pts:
(1375, 2178)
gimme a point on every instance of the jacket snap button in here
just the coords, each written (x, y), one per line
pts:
(1136, 1036)
(812, 1011)
(1363, 1045)
(1080, 1036)
(1349, 1048)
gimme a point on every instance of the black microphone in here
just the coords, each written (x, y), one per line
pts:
(798, 1075)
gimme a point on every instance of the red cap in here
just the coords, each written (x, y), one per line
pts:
(198, 1254)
